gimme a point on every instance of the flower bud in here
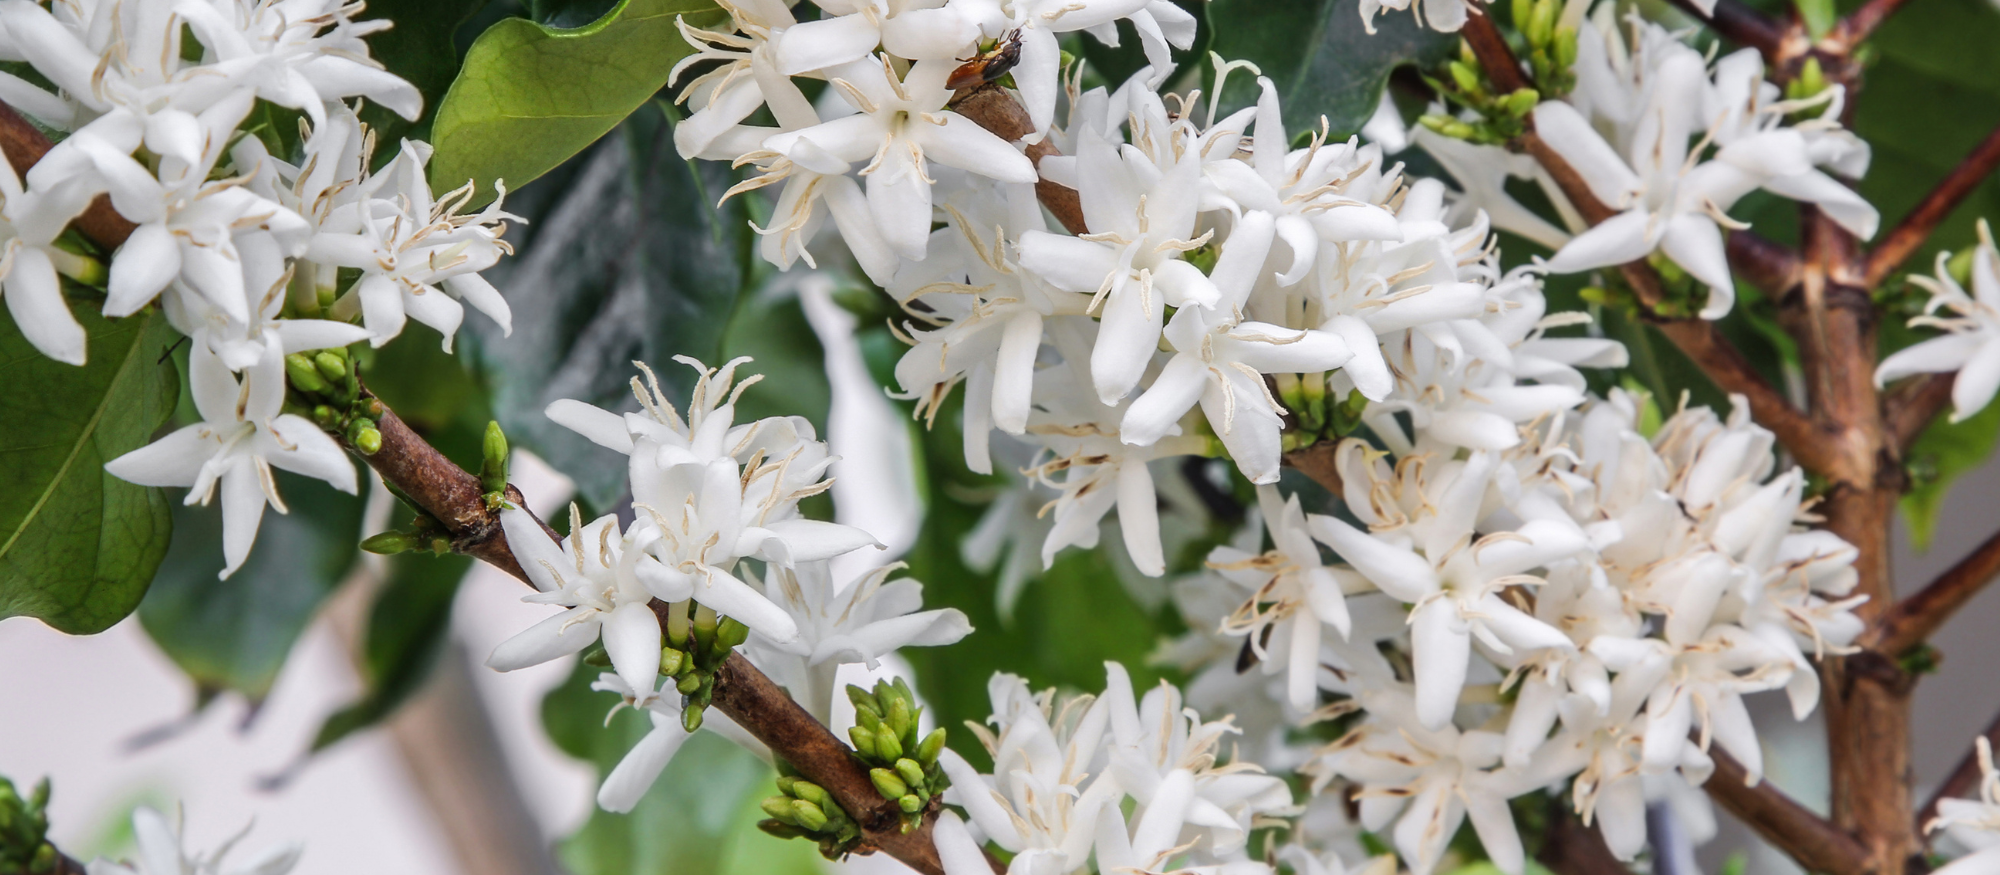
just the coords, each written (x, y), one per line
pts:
(927, 753)
(809, 815)
(1565, 48)
(677, 623)
(1522, 9)
(389, 543)
(811, 792)
(1541, 23)
(868, 718)
(1466, 76)
(863, 700)
(910, 804)
(331, 366)
(688, 683)
(899, 718)
(911, 773)
(303, 375)
(781, 829)
(493, 459)
(691, 718)
(730, 633)
(704, 622)
(779, 807)
(362, 434)
(887, 745)
(1521, 102)
(863, 739)
(888, 783)
(671, 661)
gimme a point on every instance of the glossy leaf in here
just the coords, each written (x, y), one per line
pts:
(626, 259)
(77, 545)
(1319, 56)
(421, 48)
(530, 96)
(700, 816)
(235, 634)
(408, 628)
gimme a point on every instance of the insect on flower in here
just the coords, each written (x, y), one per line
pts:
(988, 65)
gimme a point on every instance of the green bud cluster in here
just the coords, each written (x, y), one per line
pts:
(24, 830)
(1494, 119)
(1551, 45)
(904, 768)
(698, 641)
(326, 388)
(1808, 84)
(1315, 415)
(803, 809)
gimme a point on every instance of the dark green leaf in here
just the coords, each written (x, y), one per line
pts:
(1319, 56)
(419, 48)
(529, 96)
(700, 817)
(77, 545)
(568, 13)
(626, 259)
(235, 634)
(407, 629)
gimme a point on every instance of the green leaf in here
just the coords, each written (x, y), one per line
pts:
(700, 816)
(1944, 452)
(1319, 56)
(77, 545)
(235, 634)
(530, 96)
(626, 259)
(407, 629)
(419, 48)
(1819, 16)
(568, 13)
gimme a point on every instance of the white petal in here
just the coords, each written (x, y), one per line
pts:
(1976, 382)
(1399, 572)
(149, 260)
(35, 300)
(555, 637)
(1139, 517)
(635, 774)
(632, 640)
(1619, 239)
(1439, 650)
(957, 851)
(301, 447)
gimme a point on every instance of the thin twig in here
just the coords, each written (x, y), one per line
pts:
(1963, 782)
(1741, 24)
(1910, 234)
(1913, 404)
(1913, 620)
(1815, 843)
(1769, 267)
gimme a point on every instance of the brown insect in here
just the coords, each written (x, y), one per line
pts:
(988, 65)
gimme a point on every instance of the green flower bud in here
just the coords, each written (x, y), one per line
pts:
(324, 417)
(730, 633)
(1466, 76)
(910, 804)
(781, 829)
(691, 718)
(1521, 102)
(779, 807)
(39, 798)
(689, 683)
(332, 366)
(808, 815)
(1459, 130)
(911, 772)
(812, 792)
(863, 740)
(863, 700)
(1542, 23)
(1435, 122)
(899, 718)
(927, 753)
(1565, 47)
(671, 661)
(887, 746)
(868, 718)
(303, 375)
(888, 783)
(1522, 9)
(44, 859)
(368, 440)
(597, 656)
(389, 543)
(493, 459)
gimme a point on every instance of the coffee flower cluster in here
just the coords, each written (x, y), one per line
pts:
(241, 248)
(1237, 291)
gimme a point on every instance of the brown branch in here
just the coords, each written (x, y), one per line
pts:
(1910, 234)
(1815, 843)
(454, 496)
(1570, 848)
(1914, 619)
(1491, 48)
(1315, 461)
(1963, 783)
(992, 108)
(1913, 404)
(1770, 267)
(23, 144)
